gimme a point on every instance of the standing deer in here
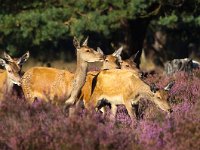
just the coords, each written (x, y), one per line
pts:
(12, 75)
(111, 61)
(92, 77)
(56, 85)
(125, 87)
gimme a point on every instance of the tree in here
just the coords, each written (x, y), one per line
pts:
(44, 26)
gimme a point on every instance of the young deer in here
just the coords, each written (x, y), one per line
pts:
(12, 75)
(56, 85)
(113, 60)
(124, 87)
(129, 64)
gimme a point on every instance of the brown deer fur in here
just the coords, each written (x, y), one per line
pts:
(125, 87)
(12, 75)
(111, 62)
(52, 84)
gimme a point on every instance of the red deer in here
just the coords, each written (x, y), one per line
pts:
(111, 61)
(124, 87)
(12, 75)
(91, 81)
(129, 64)
(56, 85)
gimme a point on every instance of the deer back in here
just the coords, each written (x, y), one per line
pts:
(124, 87)
(46, 84)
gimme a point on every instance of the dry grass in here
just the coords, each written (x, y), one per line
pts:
(59, 64)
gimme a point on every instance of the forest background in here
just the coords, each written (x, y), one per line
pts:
(163, 29)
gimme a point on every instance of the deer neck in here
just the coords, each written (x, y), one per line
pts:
(79, 78)
(81, 72)
(8, 86)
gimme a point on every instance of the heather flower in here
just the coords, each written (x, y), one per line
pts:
(45, 126)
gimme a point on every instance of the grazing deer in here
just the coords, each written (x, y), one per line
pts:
(56, 85)
(124, 87)
(12, 75)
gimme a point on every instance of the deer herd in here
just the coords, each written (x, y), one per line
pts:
(117, 82)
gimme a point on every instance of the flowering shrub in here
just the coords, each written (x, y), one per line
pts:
(46, 126)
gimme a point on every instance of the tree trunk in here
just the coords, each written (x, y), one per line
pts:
(135, 35)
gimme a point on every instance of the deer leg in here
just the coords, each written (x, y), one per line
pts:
(130, 110)
(70, 102)
(136, 106)
(101, 105)
(113, 112)
(77, 106)
(103, 110)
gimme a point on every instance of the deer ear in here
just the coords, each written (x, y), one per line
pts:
(2, 62)
(85, 42)
(135, 55)
(153, 87)
(117, 53)
(24, 58)
(76, 43)
(7, 57)
(169, 86)
(100, 51)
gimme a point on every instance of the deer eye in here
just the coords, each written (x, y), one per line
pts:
(106, 60)
(87, 50)
(9, 71)
(127, 66)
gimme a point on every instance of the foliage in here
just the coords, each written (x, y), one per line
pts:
(181, 24)
(45, 126)
(34, 23)
(43, 25)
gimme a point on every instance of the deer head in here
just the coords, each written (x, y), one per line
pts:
(86, 53)
(113, 61)
(129, 64)
(13, 66)
(161, 96)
